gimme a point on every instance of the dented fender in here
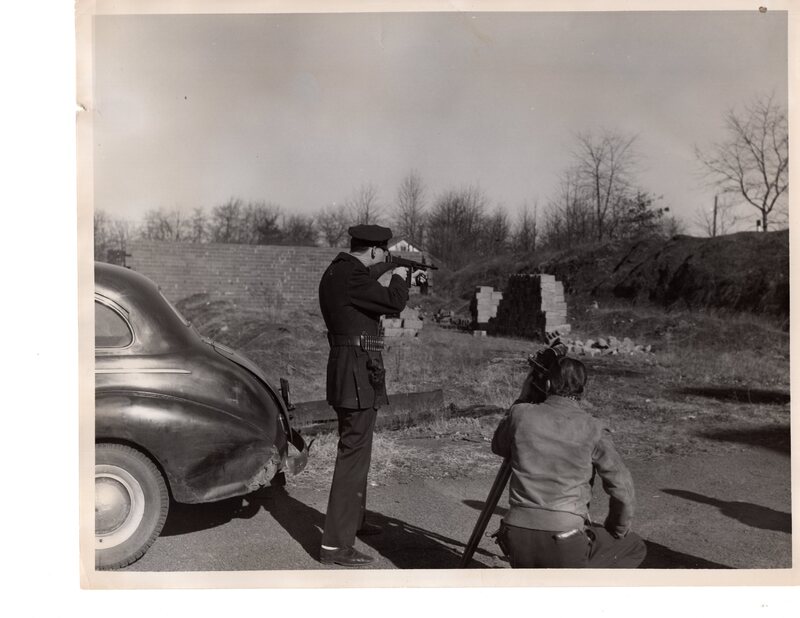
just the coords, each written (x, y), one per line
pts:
(205, 453)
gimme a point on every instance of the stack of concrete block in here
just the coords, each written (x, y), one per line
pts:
(483, 306)
(532, 305)
(408, 324)
(554, 306)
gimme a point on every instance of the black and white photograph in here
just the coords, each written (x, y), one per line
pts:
(493, 294)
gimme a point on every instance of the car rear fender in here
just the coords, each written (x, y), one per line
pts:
(296, 462)
(225, 457)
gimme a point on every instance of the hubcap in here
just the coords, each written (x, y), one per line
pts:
(112, 504)
(118, 505)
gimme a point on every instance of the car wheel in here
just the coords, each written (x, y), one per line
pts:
(130, 505)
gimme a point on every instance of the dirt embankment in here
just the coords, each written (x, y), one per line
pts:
(744, 272)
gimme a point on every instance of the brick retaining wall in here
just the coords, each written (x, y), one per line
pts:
(253, 277)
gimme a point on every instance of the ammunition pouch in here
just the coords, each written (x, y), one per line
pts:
(371, 343)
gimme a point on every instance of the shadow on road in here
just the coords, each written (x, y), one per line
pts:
(303, 523)
(408, 546)
(661, 557)
(658, 556)
(740, 395)
(404, 545)
(776, 438)
(749, 514)
(411, 547)
(186, 518)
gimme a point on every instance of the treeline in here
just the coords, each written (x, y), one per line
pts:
(597, 199)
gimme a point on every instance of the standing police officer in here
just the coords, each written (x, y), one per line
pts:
(352, 301)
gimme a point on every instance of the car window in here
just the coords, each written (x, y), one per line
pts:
(110, 329)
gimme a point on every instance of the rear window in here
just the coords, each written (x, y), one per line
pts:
(110, 329)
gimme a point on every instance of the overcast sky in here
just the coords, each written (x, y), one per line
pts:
(301, 110)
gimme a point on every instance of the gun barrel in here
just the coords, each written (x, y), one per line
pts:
(400, 261)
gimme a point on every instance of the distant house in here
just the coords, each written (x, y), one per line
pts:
(401, 244)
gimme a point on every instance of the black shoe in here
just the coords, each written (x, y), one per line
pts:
(347, 556)
(368, 529)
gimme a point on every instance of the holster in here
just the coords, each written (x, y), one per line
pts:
(377, 375)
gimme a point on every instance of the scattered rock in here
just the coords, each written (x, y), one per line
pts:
(606, 346)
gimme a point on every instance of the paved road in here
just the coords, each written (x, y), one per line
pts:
(723, 511)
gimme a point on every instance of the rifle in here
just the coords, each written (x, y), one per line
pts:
(393, 261)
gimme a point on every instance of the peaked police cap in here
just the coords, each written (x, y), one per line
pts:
(371, 234)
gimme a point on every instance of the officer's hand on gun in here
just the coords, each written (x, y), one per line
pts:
(418, 277)
(401, 271)
(554, 341)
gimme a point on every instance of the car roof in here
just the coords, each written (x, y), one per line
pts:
(156, 323)
(117, 281)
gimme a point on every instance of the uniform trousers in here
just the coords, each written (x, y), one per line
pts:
(591, 548)
(348, 497)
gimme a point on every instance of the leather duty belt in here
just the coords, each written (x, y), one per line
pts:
(368, 343)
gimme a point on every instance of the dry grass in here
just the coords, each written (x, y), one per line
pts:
(663, 404)
(444, 448)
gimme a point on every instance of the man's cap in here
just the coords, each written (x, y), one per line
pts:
(371, 234)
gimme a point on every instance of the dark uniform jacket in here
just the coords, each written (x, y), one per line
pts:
(352, 301)
(555, 449)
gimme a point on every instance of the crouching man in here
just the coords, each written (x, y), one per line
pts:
(556, 449)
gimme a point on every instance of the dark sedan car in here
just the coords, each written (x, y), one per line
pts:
(177, 416)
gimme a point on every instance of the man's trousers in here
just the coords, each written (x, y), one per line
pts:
(348, 498)
(591, 548)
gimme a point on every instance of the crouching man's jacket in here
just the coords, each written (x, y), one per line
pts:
(555, 449)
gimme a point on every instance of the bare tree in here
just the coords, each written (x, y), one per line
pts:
(717, 220)
(199, 226)
(102, 234)
(299, 231)
(122, 231)
(640, 217)
(363, 205)
(454, 225)
(494, 233)
(333, 223)
(253, 223)
(260, 224)
(604, 165)
(672, 226)
(226, 221)
(526, 231)
(162, 225)
(569, 217)
(753, 161)
(409, 219)
(111, 235)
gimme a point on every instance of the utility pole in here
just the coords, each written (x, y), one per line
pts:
(714, 225)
